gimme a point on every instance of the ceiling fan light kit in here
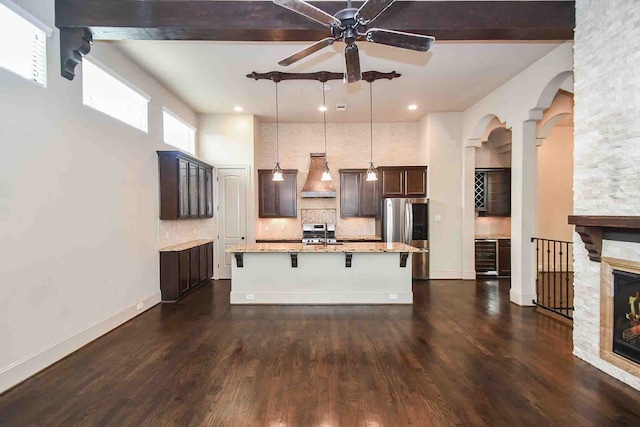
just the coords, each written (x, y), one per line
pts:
(350, 25)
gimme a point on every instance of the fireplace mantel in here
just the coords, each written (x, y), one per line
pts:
(594, 229)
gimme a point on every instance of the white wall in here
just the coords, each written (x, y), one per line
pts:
(607, 151)
(444, 136)
(227, 140)
(78, 211)
(519, 103)
(555, 185)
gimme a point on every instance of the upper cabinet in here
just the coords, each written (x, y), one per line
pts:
(359, 198)
(186, 186)
(493, 192)
(278, 199)
(403, 181)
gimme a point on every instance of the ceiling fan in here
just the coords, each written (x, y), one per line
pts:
(349, 25)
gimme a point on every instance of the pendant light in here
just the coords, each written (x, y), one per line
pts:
(326, 174)
(277, 171)
(372, 172)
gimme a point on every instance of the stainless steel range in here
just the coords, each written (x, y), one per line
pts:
(319, 234)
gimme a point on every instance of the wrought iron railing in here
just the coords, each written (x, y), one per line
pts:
(554, 276)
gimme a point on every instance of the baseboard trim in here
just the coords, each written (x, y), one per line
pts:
(452, 274)
(21, 370)
(522, 300)
(469, 275)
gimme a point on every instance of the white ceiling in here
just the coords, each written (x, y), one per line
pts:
(210, 77)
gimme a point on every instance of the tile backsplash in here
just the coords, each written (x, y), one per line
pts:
(318, 216)
(181, 231)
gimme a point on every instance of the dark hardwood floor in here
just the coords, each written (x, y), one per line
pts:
(461, 355)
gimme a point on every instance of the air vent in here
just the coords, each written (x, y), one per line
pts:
(341, 107)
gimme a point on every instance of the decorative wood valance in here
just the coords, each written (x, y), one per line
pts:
(321, 76)
(594, 229)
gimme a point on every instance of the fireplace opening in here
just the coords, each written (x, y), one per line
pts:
(626, 315)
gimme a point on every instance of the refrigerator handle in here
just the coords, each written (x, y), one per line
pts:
(408, 223)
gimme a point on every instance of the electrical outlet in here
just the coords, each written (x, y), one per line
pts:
(393, 296)
(140, 305)
(251, 296)
(266, 227)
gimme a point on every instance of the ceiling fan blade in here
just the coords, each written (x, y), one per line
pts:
(301, 54)
(399, 39)
(371, 10)
(311, 12)
(352, 59)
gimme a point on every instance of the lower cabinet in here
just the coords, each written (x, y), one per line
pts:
(493, 257)
(504, 257)
(182, 271)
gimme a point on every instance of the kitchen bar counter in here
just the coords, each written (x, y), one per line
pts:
(339, 238)
(302, 248)
(294, 273)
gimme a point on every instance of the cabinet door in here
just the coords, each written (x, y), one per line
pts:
(193, 190)
(349, 194)
(202, 251)
(267, 195)
(504, 257)
(287, 196)
(202, 192)
(392, 182)
(498, 193)
(416, 182)
(209, 249)
(369, 197)
(184, 268)
(183, 188)
(194, 266)
(209, 192)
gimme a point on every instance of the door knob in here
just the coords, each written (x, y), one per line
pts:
(242, 237)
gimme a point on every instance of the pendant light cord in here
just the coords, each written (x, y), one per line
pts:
(324, 116)
(371, 112)
(277, 128)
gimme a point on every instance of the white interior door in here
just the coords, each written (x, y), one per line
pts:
(232, 215)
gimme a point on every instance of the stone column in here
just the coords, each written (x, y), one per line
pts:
(523, 211)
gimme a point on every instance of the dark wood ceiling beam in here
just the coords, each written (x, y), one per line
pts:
(81, 21)
(264, 21)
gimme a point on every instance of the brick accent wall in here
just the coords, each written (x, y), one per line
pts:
(607, 150)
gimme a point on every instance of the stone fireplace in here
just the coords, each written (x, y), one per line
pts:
(620, 314)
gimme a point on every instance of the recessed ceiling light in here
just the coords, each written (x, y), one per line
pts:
(322, 108)
(238, 109)
(413, 107)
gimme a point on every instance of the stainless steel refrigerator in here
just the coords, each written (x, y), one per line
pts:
(407, 221)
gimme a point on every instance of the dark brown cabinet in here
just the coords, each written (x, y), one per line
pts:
(359, 198)
(182, 271)
(402, 181)
(278, 199)
(493, 192)
(186, 186)
(504, 257)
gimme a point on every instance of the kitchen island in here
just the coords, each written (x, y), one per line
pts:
(294, 273)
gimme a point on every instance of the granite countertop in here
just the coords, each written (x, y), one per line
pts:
(298, 239)
(492, 236)
(347, 247)
(186, 245)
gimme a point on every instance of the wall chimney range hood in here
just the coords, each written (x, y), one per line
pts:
(314, 187)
